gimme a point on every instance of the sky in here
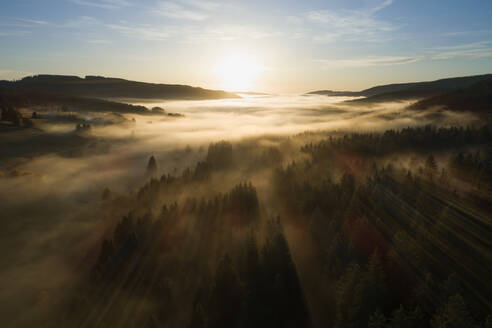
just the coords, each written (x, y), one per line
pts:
(256, 45)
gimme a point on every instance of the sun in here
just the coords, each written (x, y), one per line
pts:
(238, 72)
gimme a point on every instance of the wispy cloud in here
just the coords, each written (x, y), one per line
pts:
(14, 33)
(74, 22)
(99, 41)
(193, 34)
(230, 32)
(381, 6)
(22, 23)
(145, 32)
(104, 4)
(468, 33)
(82, 22)
(366, 62)
(469, 50)
(33, 21)
(464, 51)
(184, 10)
(349, 25)
(203, 4)
(29, 26)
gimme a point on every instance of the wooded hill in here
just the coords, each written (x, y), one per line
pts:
(408, 91)
(475, 98)
(102, 87)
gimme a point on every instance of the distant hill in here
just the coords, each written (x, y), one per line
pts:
(102, 87)
(253, 93)
(474, 98)
(332, 93)
(22, 98)
(408, 91)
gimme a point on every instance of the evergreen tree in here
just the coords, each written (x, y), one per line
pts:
(198, 317)
(377, 320)
(454, 314)
(106, 194)
(152, 167)
(399, 318)
(346, 308)
(226, 297)
(431, 166)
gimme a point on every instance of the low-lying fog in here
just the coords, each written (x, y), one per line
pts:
(236, 118)
(49, 210)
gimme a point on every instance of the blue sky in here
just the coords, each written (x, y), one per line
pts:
(292, 46)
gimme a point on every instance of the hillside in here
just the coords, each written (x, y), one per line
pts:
(332, 93)
(475, 98)
(102, 87)
(21, 98)
(408, 91)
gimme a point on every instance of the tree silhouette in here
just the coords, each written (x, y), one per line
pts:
(151, 167)
(377, 320)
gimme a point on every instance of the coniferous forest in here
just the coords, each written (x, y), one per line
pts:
(371, 230)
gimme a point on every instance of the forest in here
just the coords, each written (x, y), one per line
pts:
(386, 229)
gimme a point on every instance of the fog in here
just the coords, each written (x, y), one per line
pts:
(51, 211)
(256, 115)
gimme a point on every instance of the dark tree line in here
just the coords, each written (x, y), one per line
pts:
(428, 138)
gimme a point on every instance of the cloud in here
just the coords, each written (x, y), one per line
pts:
(99, 41)
(189, 10)
(204, 5)
(381, 6)
(366, 62)
(76, 22)
(30, 26)
(194, 34)
(469, 33)
(473, 50)
(231, 32)
(473, 45)
(34, 21)
(14, 33)
(349, 25)
(294, 20)
(104, 4)
(79, 22)
(145, 32)
(469, 53)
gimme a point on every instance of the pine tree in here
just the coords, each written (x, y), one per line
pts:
(399, 318)
(431, 166)
(198, 318)
(416, 318)
(152, 167)
(372, 292)
(377, 320)
(488, 322)
(106, 194)
(346, 307)
(454, 314)
(226, 296)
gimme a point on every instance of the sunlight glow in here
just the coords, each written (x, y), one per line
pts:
(238, 72)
